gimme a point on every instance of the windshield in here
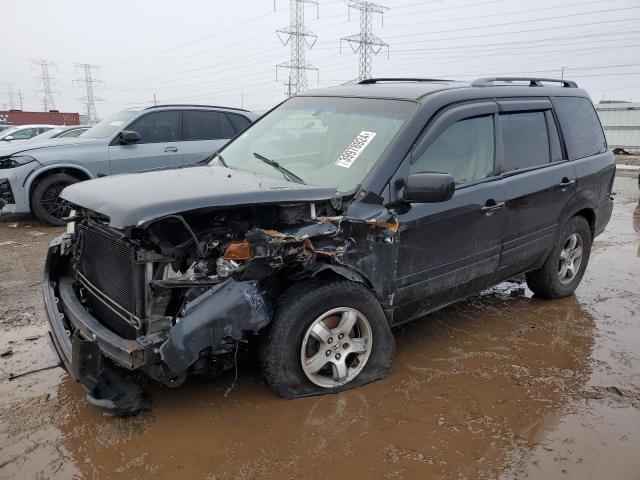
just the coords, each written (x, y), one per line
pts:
(111, 125)
(325, 141)
(48, 134)
(8, 131)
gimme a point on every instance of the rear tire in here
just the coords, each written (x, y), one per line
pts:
(564, 268)
(46, 203)
(357, 348)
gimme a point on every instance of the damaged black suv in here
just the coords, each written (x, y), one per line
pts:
(337, 215)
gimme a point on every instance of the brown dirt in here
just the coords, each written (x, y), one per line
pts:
(501, 386)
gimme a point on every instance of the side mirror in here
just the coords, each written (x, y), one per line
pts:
(128, 137)
(429, 187)
(8, 138)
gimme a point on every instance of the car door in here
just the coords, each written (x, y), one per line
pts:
(205, 131)
(451, 249)
(538, 182)
(159, 146)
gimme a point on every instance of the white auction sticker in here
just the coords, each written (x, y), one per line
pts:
(354, 150)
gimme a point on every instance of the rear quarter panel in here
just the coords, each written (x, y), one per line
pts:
(594, 181)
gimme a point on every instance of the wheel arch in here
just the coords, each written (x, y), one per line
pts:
(589, 215)
(81, 173)
(327, 271)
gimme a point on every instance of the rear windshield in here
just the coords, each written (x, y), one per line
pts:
(581, 128)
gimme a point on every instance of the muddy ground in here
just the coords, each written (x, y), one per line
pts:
(501, 386)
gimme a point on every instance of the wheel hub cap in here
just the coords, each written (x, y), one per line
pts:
(56, 207)
(336, 347)
(570, 258)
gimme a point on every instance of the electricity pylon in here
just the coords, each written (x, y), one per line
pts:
(299, 38)
(365, 43)
(89, 99)
(46, 80)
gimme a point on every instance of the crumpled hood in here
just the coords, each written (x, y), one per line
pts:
(134, 198)
(11, 148)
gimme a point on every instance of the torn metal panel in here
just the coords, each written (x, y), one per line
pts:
(223, 313)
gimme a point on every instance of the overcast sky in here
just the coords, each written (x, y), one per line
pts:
(224, 53)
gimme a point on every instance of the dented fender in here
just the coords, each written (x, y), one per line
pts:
(213, 320)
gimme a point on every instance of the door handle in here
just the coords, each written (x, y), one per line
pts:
(492, 206)
(566, 183)
(171, 149)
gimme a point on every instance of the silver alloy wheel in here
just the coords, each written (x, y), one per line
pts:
(570, 258)
(336, 346)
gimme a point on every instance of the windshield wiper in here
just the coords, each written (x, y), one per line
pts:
(288, 174)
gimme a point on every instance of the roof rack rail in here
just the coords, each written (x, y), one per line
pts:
(533, 82)
(192, 105)
(368, 81)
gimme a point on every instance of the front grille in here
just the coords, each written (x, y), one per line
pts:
(108, 269)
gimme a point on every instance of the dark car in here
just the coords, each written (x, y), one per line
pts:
(336, 216)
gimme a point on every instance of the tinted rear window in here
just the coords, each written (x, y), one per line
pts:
(238, 121)
(206, 125)
(525, 140)
(581, 128)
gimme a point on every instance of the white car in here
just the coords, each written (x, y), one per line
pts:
(62, 131)
(23, 132)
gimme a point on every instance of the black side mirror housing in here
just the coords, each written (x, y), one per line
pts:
(429, 187)
(128, 137)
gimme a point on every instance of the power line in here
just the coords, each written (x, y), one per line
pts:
(365, 43)
(518, 22)
(195, 40)
(517, 32)
(241, 57)
(298, 37)
(46, 80)
(89, 99)
(562, 40)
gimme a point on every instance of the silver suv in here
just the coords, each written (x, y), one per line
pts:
(33, 174)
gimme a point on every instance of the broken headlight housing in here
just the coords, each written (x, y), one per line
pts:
(15, 161)
(225, 268)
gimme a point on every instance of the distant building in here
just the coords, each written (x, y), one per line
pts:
(53, 117)
(621, 122)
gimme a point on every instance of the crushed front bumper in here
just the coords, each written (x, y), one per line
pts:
(87, 349)
(99, 359)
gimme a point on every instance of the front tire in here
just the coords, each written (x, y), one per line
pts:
(326, 338)
(564, 268)
(46, 203)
